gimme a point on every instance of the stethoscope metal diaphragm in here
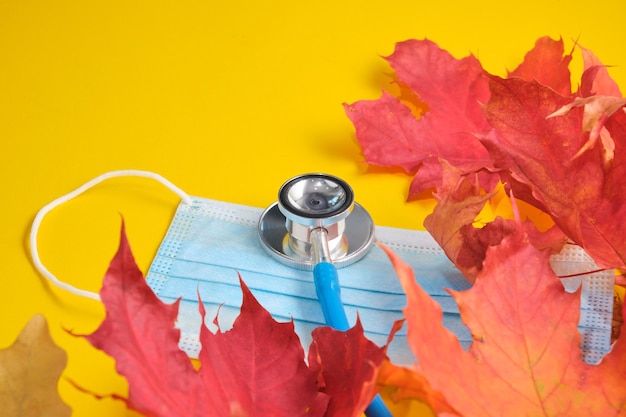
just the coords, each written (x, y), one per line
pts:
(314, 201)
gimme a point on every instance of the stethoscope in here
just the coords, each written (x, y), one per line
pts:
(316, 225)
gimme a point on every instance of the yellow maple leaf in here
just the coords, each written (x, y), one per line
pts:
(29, 373)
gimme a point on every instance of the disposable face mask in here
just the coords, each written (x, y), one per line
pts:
(210, 243)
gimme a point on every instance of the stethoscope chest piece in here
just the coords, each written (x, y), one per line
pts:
(311, 205)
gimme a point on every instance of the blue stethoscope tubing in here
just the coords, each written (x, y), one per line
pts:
(329, 294)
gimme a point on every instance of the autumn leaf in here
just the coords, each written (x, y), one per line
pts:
(525, 358)
(347, 364)
(256, 368)
(596, 79)
(138, 331)
(390, 135)
(600, 97)
(407, 384)
(451, 222)
(596, 111)
(29, 374)
(584, 195)
(547, 64)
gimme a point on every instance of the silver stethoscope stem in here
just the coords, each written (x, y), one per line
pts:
(320, 250)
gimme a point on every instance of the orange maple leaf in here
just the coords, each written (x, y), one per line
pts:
(525, 359)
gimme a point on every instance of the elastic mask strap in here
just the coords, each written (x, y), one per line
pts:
(34, 252)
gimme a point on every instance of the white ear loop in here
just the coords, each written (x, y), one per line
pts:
(69, 196)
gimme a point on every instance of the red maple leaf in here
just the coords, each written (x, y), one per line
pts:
(547, 64)
(390, 135)
(541, 159)
(257, 368)
(345, 362)
(526, 357)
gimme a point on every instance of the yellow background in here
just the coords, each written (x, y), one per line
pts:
(227, 100)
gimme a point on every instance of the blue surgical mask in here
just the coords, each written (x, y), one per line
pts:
(210, 243)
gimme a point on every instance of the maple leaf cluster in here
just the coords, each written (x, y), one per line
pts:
(461, 131)
(559, 150)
